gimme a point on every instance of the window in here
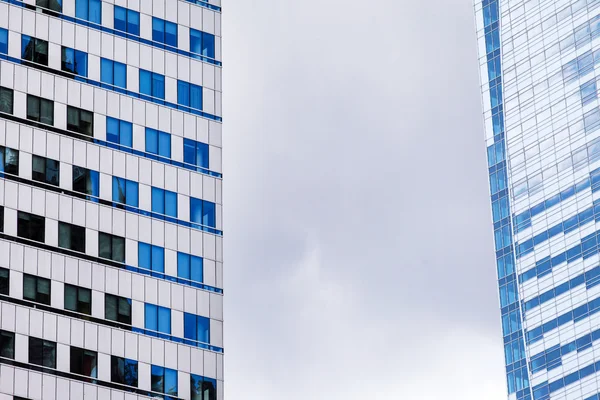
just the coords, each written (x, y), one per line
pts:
(78, 299)
(90, 10)
(158, 142)
(6, 100)
(189, 95)
(71, 237)
(30, 226)
(40, 110)
(195, 153)
(157, 318)
(9, 160)
(86, 181)
(111, 247)
(80, 121)
(74, 61)
(1, 219)
(196, 327)
(202, 43)
(164, 202)
(3, 41)
(127, 20)
(84, 362)
(125, 191)
(35, 50)
(4, 281)
(7, 345)
(119, 132)
(113, 73)
(45, 170)
(164, 380)
(42, 352)
(124, 371)
(202, 212)
(54, 5)
(203, 388)
(164, 31)
(190, 267)
(36, 289)
(117, 309)
(152, 84)
(151, 258)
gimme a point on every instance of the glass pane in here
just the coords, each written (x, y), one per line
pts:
(133, 22)
(68, 60)
(196, 387)
(120, 75)
(49, 354)
(29, 287)
(112, 130)
(43, 290)
(158, 259)
(70, 298)
(64, 235)
(41, 52)
(170, 382)
(208, 45)
(158, 86)
(131, 194)
(82, 9)
(52, 172)
(96, 11)
(171, 204)
(118, 249)
(151, 317)
(126, 133)
(144, 255)
(189, 151)
(158, 200)
(171, 34)
(27, 48)
(6, 100)
(120, 18)
(202, 155)
(104, 245)
(196, 97)
(183, 93)
(38, 172)
(164, 320)
(33, 108)
(164, 144)
(106, 71)
(195, 210)
(197, 269)
(3, 41)
(81, 63)
(190, 330)
(145, 82)
(11, 161)
(157, 379)
(47, 112)
(110, 307)
(7, 345)
(151, 141)
(158, 30)
(118, 190)
(195, 41)
(183, 265)
(36, 351)
(203, 329)
(208, 214)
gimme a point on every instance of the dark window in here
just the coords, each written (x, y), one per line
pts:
(42, 352)
(40, 110)
(30, 226)
(9, 160)
(78, 299)
(45, 170)
(86, 181)
(36, 289)
(117, 309)
(71, 237)
(6, 100)
(84, 362)
(54, 5)
(33, 49)
(203, 388)
(4, 281)
(74, 61)
(80, 121)
(7, 344)
(124, 371)
(111, 247)
(164, 380)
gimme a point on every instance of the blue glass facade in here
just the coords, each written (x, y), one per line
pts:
(542, 117)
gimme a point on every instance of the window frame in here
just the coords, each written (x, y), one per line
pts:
(196, 328)
(48, 363)
(152, 84)
(158, 375)
(189, 267)
(125, 192)
(122, 318)
(155, 312)
(202, 37)
(34, 45)
(128, 13)
(155, 256)
(90, 178)
(112, 239)
(7, 153)
(200, 154)
(39, 103)
(32, 233)
(77, 358)
(80, 127)
(158, 143)
(48, 165)
(116, 374)
(76, 55)
(116, 69)
(10, 337)
(39, 297)
(86, 13)
(12, 100)
(123, 134)
(160, 34)
(162, 201)
(185, 97)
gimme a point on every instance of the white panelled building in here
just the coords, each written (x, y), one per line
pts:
(111, 273)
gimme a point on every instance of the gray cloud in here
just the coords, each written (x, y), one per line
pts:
(359, 260)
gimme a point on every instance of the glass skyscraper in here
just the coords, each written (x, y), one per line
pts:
(111, 274)
(540, 63)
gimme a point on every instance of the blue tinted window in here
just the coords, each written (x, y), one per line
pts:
(164, 380)
(189, 95)
(202, 212)
(158, 142)
(119, 132)
(164, 31)
(202, 43)
(196, 327)
(113, 73)
(195, 153)
(152, 84)
(164, 202)
(190, 267)
(203, 388)
(157, 318)
(127, 20)
(89, 10)
(3, 41)
(151, 257)
(125, 191)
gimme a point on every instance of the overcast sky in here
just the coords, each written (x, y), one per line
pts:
(358, 251)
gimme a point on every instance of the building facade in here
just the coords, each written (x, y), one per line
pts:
(540, 63)
(111, 274)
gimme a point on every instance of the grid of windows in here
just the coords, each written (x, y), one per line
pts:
(72, 189)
